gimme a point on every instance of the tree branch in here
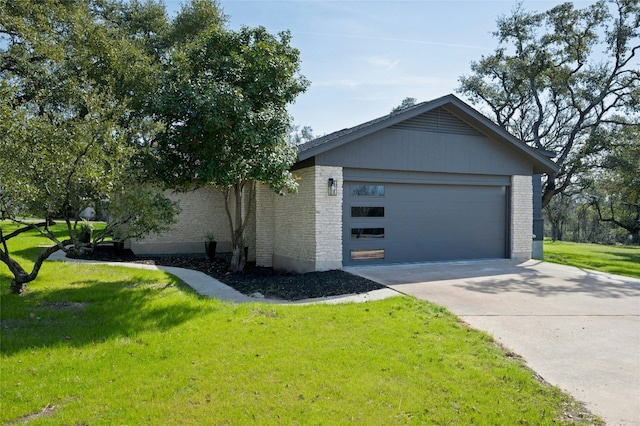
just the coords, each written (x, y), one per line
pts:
(25, 229)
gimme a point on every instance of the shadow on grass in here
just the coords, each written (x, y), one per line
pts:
(30, 253)
(628, 256)
(88, 311)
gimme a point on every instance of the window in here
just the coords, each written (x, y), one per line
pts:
(367, 211)
(372, 254)
(367, 190)
(357, 233)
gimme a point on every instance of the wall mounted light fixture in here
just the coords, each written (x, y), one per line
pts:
(333, 187)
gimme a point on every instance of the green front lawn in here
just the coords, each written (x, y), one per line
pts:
(622, 260)
(92, 344)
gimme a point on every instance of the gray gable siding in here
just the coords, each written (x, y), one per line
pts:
(447, 115)
(439, 121)
(426, 151)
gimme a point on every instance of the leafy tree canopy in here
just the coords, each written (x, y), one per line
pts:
(615, 190)
(558, 76)
(73, 75)
(406, 103)
(223, 104)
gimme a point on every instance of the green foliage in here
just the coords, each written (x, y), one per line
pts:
(108, 345)
(606, 209)
(194, 17)
(139, 210)
(72, 76)
(86, 87)
(223, 103)
(616, 190)
(557, 76)
(575, 218)
(406, 103)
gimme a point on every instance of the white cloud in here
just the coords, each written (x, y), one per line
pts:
(393, 39)
(372, 81)
(381, 61)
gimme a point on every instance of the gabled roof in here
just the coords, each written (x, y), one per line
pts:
(451, 103)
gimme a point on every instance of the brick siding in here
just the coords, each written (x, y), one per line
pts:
(521, 217)
(202, 211)
(301, 232)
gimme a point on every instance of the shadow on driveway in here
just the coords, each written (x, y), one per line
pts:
(499, 276)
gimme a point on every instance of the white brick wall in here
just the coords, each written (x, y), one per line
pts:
(294, 223)
(328, 224)
(202, 211)
(301, 232)
(521, 217)
(265, 225)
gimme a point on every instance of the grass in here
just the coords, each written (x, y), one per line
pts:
(91, 344)
(621, 260)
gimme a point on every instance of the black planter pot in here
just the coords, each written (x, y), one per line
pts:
(85, 237)
(118, 247)
(210, 249)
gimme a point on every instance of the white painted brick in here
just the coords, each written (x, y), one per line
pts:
(202, 211)
(521, 216)
(303, 231)
(328, 220)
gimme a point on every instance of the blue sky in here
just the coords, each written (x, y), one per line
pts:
(364, 57)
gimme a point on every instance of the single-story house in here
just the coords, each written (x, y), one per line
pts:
(437, 181)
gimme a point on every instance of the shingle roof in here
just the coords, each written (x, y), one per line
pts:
(344, 132)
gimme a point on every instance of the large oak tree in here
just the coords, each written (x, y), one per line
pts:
(73, 77)
(558, 77)
(615, 187)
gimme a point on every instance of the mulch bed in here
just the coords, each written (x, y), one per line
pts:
(266, 281)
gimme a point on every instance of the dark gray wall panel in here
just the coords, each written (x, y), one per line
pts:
(412, 150)
(394, 176)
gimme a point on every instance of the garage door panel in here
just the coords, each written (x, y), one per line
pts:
(425, 222)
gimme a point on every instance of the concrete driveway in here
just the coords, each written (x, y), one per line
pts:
(578, 329)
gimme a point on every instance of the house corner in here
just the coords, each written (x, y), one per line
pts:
(521, 217)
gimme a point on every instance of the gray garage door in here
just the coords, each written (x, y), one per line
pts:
(402, 222)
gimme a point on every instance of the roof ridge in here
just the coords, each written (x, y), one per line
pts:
(348, 130)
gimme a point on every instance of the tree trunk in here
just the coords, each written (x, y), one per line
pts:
(549, 190)
(20, 276)
(237, 260)
(556, 231)
(236, 224)
(19, 283)
(238, 221)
